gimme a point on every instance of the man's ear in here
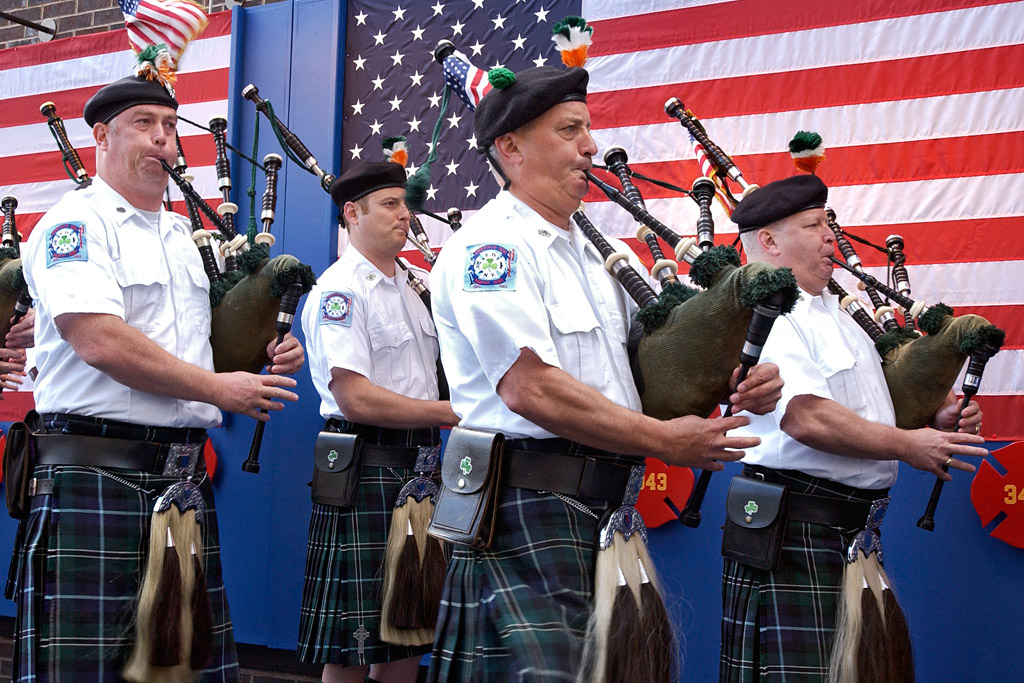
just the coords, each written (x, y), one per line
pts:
(351, 213)
(508, 150)
(100, 132)
(766, 239)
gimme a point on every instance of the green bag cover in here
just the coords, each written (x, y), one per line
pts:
(11, 283)
(686, 363)
(920, 372)
(244, 319)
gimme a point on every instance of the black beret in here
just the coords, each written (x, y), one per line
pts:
(111, 100)
(778, 200)
(535, 91)
(365, 177)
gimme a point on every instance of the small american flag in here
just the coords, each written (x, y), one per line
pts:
(171, 22)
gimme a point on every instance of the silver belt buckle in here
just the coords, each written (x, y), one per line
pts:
(181, 460)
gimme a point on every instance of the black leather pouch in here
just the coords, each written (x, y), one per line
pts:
(18, 465)
(336, 465)
(471, 473)
(755, 522)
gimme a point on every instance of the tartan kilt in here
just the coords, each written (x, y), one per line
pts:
(778, 625)
(343, 581)
(519, 610)
(79, 572)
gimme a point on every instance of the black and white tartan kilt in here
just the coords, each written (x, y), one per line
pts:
(79, 572)
(519, 610)
(778, 625)
(341, 596)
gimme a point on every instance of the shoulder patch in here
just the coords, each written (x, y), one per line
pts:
(66, 242)
(336, 308)
(490, 267)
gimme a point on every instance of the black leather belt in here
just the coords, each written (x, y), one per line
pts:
(98, 451)
(375, 455)
(812, 509)
(579, 476)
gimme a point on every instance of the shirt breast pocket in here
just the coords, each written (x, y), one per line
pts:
(199, 310)
(837, 364)
(575, 338)
(391, 352)
(145, 288)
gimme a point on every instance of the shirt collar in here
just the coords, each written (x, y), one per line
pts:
(534, 228)
(118, 210)
(364, 270)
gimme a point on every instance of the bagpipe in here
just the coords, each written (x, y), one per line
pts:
(919, 369)
(254, 292)
(14, 298)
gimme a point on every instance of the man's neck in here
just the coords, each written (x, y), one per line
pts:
(144, 202)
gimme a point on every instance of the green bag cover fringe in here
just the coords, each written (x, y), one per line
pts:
(921, 372)
(246, 311)
(687, 361)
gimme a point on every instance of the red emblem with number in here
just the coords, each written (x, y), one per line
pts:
(1002, 495)
(665, 487)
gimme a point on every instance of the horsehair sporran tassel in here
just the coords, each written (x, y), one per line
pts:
(414, 562)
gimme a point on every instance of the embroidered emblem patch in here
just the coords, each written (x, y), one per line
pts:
(336, 309)
(66, 242)
(490, 267)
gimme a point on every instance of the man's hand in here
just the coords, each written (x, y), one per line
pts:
(695, 442)
(759, 392)
(287, 357)
(12, 367)
(21, 336)
(949, 418)
(248, 394)
(929, 449)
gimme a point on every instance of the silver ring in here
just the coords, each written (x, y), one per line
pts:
(949, 461)
(977, 429)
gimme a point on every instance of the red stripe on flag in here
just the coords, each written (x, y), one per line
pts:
(28, 221)
(1002, 416)
(745, 18)
(1009, 318)
(834, 86)
(92, 44)
(48, 166)
(199, 86)
(931, 159)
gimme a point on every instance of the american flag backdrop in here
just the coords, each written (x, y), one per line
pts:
(919, 104)
(67, 71)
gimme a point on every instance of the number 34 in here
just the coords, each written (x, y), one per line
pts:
(1012, 494)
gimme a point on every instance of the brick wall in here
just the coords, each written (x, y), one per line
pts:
(76, 17)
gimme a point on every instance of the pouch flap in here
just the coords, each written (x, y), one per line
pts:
(468, 458)
(335, 452)
(754, 504)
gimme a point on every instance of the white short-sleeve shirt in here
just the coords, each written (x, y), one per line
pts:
(358, 319)
(93, 252)
(821, 351)
(510, 280)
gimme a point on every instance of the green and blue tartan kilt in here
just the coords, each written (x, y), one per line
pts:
(519, 610)
(778, 625)
(341, 596)
(79, 571)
